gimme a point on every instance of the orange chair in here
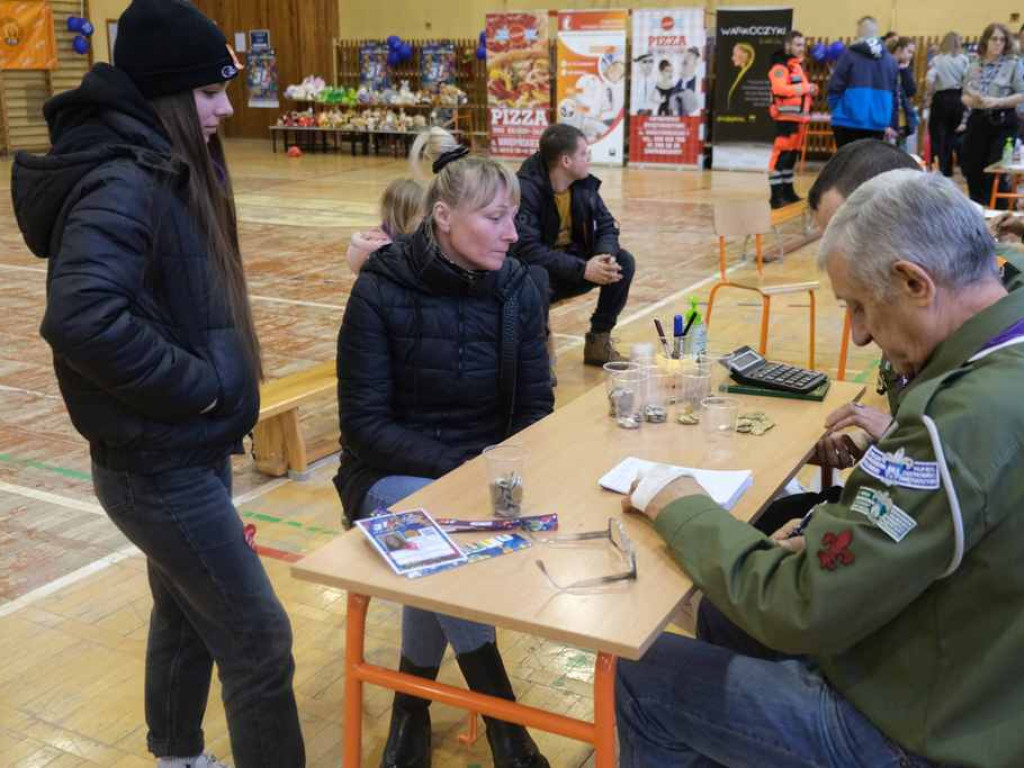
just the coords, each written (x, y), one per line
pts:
(746, 218)
(844, 346)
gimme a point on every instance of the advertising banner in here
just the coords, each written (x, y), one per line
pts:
(744, 44)
(591, 82)
(437, 66)
(373, 66)
(667, 101)
(27, 36)
(518, 82)
(261, 79)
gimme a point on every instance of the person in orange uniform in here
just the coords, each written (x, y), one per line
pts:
(791, 110)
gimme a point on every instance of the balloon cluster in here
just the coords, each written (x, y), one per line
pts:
(399, 51)
(481, 48)
(822, 53)
(84, 28)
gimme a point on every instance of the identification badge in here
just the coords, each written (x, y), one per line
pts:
(900, 469)
(879, 508)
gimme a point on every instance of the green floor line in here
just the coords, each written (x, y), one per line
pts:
(72, 473)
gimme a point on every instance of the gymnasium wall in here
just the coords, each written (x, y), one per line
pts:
(819, 18)
(101, 11)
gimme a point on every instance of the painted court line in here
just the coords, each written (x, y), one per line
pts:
(296, 302)
(22, 269)
(262, 490)
(67, 580)
(19, 390)
(51, 498)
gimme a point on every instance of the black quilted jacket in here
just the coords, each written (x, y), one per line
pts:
(418, 365)
(142, 341)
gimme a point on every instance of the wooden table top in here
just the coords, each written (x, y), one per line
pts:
(567, 453)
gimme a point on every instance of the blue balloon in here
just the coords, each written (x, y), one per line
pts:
(87, 28)
(392, 59)
(483, 37)
(75, 23)
(836, 50)
(406, 51)
(80, 44)
(481, 52)
(818, 52)
(393, 41)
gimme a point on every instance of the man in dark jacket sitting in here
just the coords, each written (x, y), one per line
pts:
(564, 226)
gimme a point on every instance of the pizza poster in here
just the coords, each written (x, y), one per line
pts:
(667, 99)
(518, 82)
(591, 79)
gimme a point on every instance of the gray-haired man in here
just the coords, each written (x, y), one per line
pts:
(915, 570)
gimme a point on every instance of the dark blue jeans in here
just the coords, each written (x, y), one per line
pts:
(212, 602)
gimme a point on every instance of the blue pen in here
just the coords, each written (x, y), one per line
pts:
(802, 528)
(677, 334)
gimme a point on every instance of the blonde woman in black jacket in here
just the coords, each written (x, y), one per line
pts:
(426, 382)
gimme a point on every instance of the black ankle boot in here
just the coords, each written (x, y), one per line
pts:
(511, 745)
(408, 743)
(778, 200)
(789, 194)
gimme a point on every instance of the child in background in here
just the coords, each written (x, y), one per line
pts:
(401, 211)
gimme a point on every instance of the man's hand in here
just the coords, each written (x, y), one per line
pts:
(838, 450)
(782, 537)
(1007, 227)
(602, 269)
(677, 489)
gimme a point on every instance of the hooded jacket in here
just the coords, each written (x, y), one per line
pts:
(142, 342)
(863, 92)
(594, 229)
(419, 352)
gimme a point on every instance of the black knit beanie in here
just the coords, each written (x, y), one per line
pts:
(168, 46)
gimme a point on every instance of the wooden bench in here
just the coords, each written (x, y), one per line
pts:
(278, 446)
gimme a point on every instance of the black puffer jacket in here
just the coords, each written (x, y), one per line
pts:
(594, 229)
(142, 343)
(418, 365)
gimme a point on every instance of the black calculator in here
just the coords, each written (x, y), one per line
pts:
(748, 367)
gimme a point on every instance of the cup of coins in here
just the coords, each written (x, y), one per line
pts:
(505, 465)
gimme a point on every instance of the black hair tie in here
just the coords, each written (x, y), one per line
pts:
(446, 158)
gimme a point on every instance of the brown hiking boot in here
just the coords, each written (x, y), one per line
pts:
(600, 349)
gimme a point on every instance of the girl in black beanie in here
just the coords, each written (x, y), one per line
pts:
(158, 362)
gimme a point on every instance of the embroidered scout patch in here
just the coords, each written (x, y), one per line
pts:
(835, 550)
(900, 469)
(879, 508)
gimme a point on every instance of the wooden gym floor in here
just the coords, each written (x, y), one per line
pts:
(74, 601)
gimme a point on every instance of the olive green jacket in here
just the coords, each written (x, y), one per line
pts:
(910, 592)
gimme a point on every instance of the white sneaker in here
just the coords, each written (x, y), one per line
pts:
(202, 761)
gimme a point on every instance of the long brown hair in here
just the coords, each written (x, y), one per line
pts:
(211, 203)
(990, 30)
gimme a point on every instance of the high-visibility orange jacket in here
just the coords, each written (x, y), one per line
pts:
(791, 90)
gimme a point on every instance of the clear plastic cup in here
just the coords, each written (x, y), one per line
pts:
(641, 353)
(696, 389)
(505, 465)
(628, 396)
(717, 364)
(610, 369)
(718, 418)
(659, 390)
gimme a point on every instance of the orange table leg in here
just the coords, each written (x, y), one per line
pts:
(604, 711)
(472, 729)
(995, 190)
(355, 628)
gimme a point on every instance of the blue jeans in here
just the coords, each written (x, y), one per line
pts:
(692, 703)
(425, 634)
(212, 602)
